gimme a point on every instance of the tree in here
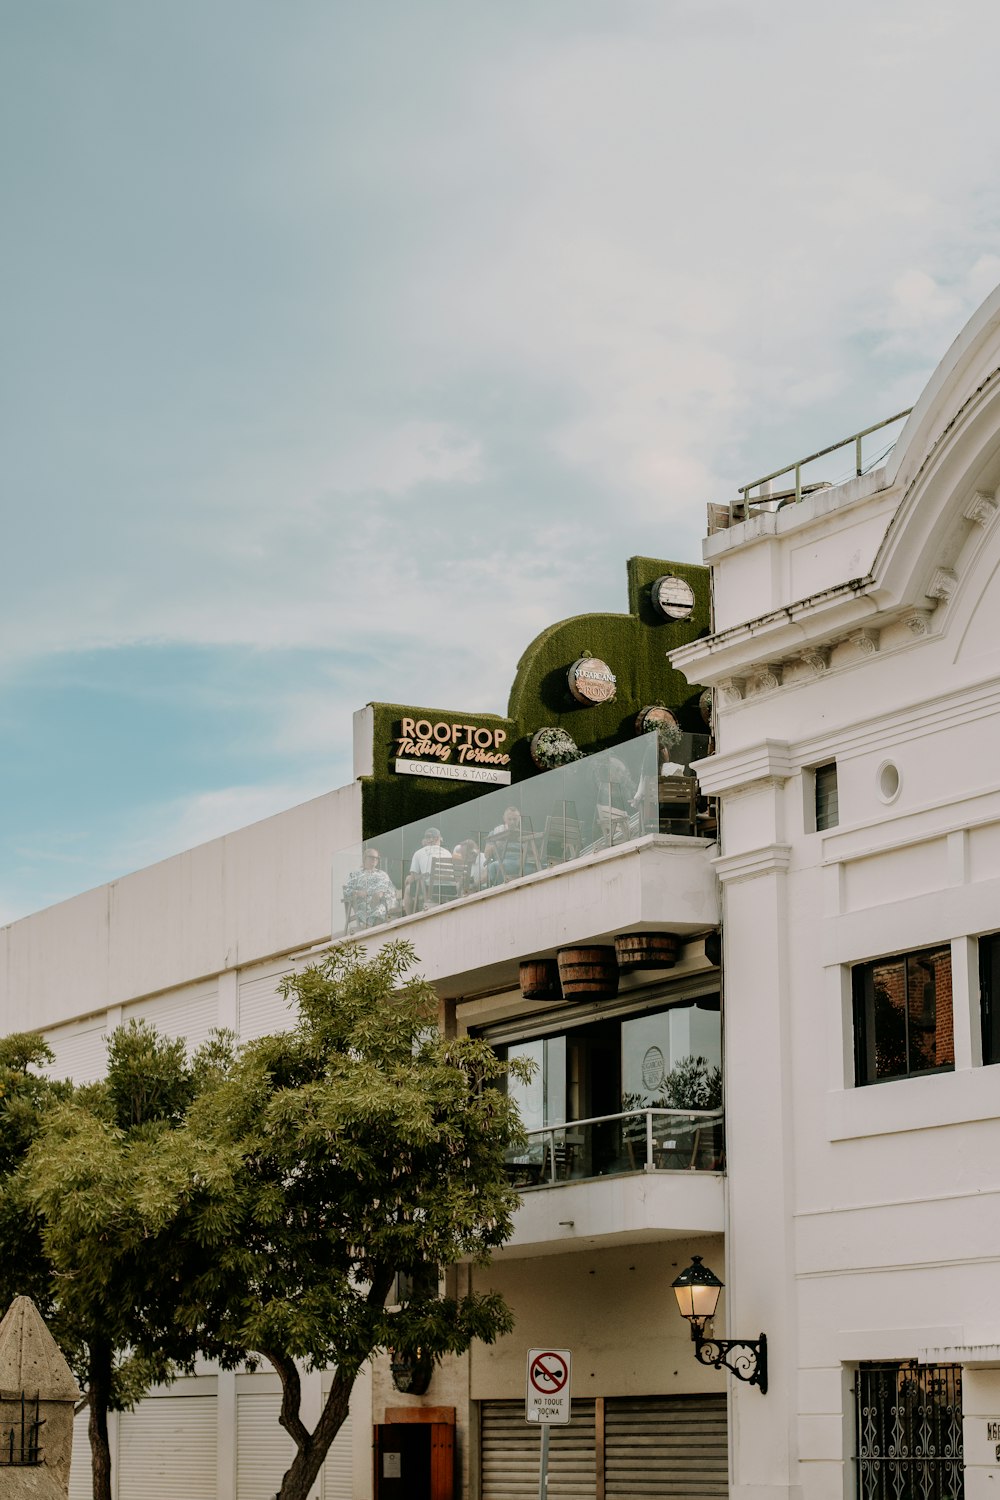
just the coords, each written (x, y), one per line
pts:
(369, 1145)
(125, 1196)
(27, 1097)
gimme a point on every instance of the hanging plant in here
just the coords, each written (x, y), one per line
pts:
(668, 731)
(552, 747)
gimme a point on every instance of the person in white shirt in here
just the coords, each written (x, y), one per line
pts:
(431, 849)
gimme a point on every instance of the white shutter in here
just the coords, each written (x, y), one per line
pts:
(263, 1448)
(81, 1473)
(80, 1050)
(511, 1450)
(264, 1451)
(261, 1009)
(666, 1448)
(338, 1471)
(190, 1014)
(167, 1449)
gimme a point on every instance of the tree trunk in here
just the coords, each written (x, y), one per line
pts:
(100, 1396)
(308, 1461)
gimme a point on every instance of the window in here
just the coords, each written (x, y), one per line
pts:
(903, 1016)
(989, 996)
(825, 790)
(909, 1432)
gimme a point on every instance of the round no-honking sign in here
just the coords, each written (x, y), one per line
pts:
(548, 1391)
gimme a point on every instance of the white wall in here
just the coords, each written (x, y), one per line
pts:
(261, 891)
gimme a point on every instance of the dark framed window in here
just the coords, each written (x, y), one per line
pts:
(909, 1432)
(989, 996)
(903, 1023)
(826, 803)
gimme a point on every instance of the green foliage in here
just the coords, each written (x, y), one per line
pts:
(693, 1084)
(128, 1202)
(368, 1144)
(26, 1098)
(260, 1205)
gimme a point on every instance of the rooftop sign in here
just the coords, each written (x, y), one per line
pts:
(444, 750)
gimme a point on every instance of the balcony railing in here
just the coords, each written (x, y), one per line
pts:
(639, 1140)
(721, 517)
(560, 816)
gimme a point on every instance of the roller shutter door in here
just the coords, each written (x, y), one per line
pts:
(261, 1009)
(666, 1448)
(80, 1471)
(190, 1014)
(510, 1446)
(167, 1449)
(264, 1451)
(263, 1448)
(338, 1471)
(81, 1051)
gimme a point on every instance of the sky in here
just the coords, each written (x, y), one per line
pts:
(344, 347)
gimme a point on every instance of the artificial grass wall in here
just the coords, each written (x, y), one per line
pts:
(634, 646)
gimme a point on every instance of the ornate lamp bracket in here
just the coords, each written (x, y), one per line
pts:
(744, 1358)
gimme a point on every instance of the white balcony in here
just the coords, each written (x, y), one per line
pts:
(655, 882)
(627, 1209)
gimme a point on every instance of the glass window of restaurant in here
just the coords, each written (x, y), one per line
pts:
(603, 1066)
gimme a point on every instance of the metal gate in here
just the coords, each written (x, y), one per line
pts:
(909, 1429)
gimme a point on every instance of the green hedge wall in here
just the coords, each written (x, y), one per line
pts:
(634, 645)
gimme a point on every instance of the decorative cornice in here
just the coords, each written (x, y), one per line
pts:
(764, 679)
(918, 621)
(981, 508)
(759, 766)
(942, 585)
(772, 859)
(732, 689)
(817, 660)
(866, 641)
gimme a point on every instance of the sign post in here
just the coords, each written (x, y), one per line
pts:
(547, 1400)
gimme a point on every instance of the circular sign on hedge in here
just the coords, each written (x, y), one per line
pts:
(672, 597)
(592, 680)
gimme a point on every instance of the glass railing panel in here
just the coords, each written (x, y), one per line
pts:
(490, 840)
(654, 1140)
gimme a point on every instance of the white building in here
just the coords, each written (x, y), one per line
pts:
(855, 1213)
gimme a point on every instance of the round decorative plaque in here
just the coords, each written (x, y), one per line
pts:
(592, 680)
(672, 597)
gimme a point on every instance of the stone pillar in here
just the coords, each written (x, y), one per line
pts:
(33, 1368)
(760, 1261)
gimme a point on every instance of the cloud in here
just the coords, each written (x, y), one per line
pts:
(413, 454)
(397, 358)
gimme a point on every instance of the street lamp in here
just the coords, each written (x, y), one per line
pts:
(697, 1291)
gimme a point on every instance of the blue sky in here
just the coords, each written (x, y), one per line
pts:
(322, 320)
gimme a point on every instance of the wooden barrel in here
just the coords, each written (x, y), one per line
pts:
(588, 973)
(540, 979)
(646, 950)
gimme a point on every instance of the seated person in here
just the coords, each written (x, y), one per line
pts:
(470, 864)
(369, 895)
(505, 854)
(431, 849)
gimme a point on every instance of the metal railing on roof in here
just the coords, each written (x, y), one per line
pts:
(740, 510)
